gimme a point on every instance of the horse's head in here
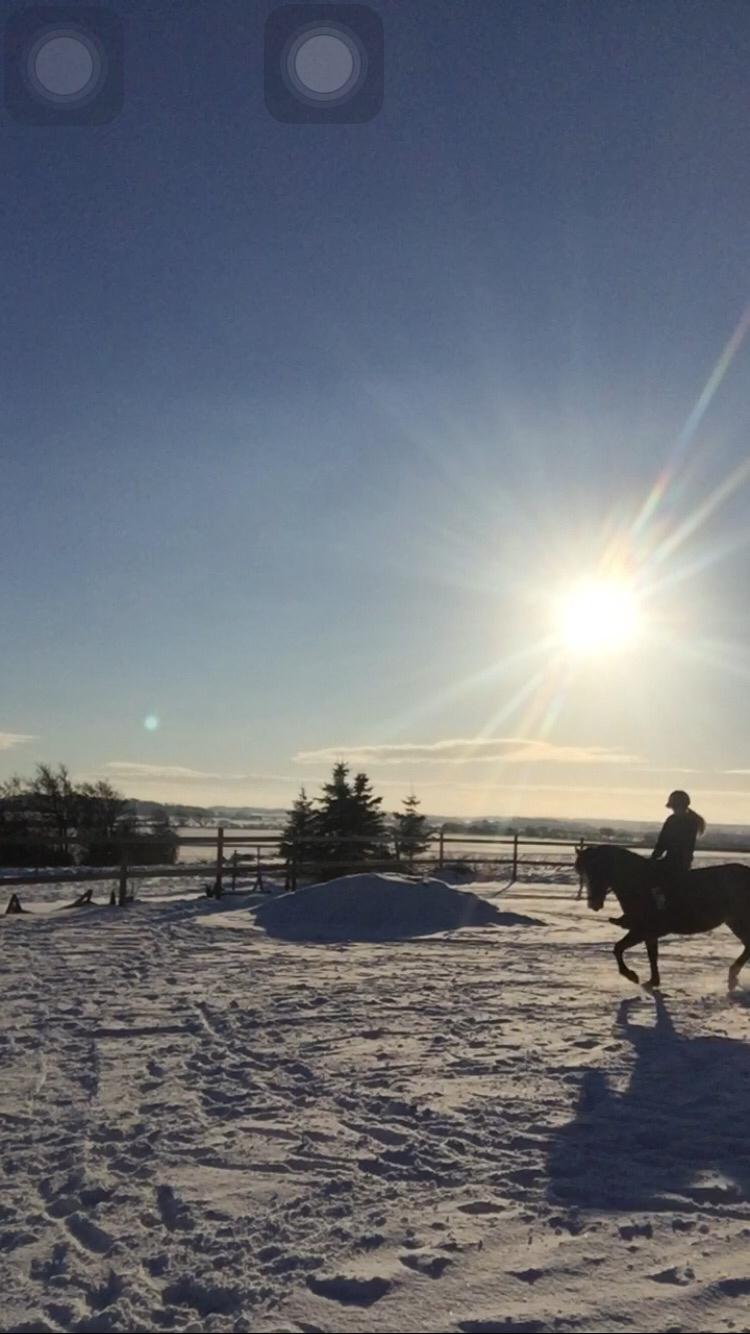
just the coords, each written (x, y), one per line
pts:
(592, 864)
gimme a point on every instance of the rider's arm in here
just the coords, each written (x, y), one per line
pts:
(659, 847)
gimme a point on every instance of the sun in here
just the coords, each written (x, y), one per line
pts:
(598, 616)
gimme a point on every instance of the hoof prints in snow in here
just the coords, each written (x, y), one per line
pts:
(350, 1291)
(212, 1129)
(172, 1211)
(508, 1326)
(434, 1266)
(89, 1235)
(205, 1298)
(734, 1287)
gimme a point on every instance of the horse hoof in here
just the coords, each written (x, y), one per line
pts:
(631, 976)
(651, 986)
(732, 981)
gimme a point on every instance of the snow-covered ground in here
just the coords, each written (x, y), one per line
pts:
(210, 1127)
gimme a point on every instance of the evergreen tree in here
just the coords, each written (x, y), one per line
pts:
(412, 835)
(350, 824)
(368, 821)
(299, 843)
(335, 818)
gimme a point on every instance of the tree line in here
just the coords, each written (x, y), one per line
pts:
(49, 820)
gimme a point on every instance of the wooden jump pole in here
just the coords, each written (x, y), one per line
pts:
(258, 885)
(580, 845)
(219, 881)
(122, 889)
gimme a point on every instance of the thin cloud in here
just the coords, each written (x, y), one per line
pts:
(522, 785)
(129, 770)
(507, 750)
(8, 740)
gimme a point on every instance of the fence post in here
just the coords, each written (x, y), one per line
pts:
(258, 886)
(514, 871)
(219, 882)
(580, 845)
(441, 848)
(122, 891)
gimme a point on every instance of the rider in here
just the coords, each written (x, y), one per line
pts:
(674, 847)
(676, 842)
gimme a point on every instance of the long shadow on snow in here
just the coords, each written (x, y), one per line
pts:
(678, 1129)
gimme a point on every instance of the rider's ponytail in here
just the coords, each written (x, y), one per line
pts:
(701, 823)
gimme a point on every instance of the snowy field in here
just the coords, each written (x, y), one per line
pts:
(207, 1126)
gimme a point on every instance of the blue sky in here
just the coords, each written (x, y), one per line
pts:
(303, 425)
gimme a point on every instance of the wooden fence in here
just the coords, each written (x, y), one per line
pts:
(265, 859)
(296, 867)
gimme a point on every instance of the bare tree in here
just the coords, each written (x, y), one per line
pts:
(102, 807)
(57, 801)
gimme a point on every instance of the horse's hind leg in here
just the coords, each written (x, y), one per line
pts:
(739, 963)
(632, 938)
(652, 948)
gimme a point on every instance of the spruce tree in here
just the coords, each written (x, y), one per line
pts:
(299, 845)
(412, 834)
(368, 821)
(335, 820)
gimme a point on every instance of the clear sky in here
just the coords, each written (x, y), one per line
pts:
(305, 427)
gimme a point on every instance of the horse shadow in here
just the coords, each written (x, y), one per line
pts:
(674, 1138)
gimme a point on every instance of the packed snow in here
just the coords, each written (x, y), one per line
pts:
(212, 1124)
(377, 907)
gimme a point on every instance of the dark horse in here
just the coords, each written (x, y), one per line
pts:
(652, 907)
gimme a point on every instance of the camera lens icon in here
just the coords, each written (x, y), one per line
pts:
(324, 63)
(66, 68)
(63, 67)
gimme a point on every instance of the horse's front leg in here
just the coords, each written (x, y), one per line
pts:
(627, 942)
(652, 949)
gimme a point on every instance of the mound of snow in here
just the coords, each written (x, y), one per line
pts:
(376, 907)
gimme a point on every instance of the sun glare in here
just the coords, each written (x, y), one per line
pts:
(598, 616)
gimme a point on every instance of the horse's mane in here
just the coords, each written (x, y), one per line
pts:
(613, 852)
(627, 853)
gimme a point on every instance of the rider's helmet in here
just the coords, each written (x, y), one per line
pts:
(678, 800)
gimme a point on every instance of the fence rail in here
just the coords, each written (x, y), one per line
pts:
(293, 868)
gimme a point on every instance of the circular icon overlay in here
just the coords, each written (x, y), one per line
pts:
(65, 67)
(63, 64)
(325, 64)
